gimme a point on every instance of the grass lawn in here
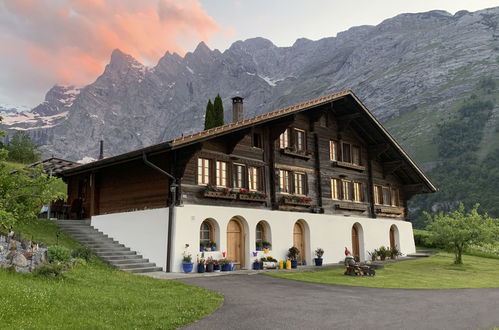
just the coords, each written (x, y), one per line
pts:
(95, 296)
(435, 272)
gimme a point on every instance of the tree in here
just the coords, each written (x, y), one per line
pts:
(458, 229)
(219, 111)
(22, 149)
(23, 192)
(209, 118)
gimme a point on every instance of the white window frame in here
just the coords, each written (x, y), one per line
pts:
(204, 168)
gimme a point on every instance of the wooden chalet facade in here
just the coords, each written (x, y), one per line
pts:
(328, 156)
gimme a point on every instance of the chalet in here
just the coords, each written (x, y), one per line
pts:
(322, 173)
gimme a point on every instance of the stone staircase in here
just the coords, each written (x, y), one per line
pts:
(420, 254)
(106, 248)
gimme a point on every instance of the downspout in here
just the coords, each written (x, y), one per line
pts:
(171, 209)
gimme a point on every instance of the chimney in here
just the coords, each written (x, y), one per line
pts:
(101, 154)
(237, 109)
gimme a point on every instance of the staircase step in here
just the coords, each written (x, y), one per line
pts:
(144, 270)
(111, 249)
(134, 266)
(112, 258)
(418, 255)
(128, 261)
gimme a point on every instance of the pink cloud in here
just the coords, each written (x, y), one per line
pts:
(70, 41)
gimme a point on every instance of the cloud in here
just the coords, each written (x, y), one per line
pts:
(43, 42)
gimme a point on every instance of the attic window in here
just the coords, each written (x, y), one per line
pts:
(257, 140)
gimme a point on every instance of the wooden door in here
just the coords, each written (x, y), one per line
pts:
(299, 241)
(355, 243)
(235, 243)
(392, 237)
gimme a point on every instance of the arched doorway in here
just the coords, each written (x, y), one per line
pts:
(355, 242)
(299, 241)
(394, 237)
(235, 243)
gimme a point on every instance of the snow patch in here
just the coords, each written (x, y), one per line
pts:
(189, 69)
(268, 80)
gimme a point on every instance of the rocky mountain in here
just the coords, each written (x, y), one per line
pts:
(409, 70)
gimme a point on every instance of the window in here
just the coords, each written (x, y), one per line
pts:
(284, 139)
(378, 195)
(203, 171)
(300, 143)
(333, 150)
(254, 178)
(221, 174)
(356, 155)
(395, 197)
(260, 232)
(335, 189)
(358, 192)
(348, 192)
(300, 184)
(346, 153)
(386, 196)
(284, 185)
(239, 175)
(206, 233)
(257, 140)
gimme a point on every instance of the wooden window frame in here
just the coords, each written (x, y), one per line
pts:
(336, 189)
(284, 139)
(257, 140)
(205, 171)
(296, 133)
(303, 183)
(378, 197)
(210, 230)
(254, 171)
(218, 174)
(334, 147)
(243, 175)
(351, 153)
(358, 188)
(285, 179)
(263, 231)
(395, 197)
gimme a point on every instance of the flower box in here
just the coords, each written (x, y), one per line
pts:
(351, 206)
(298, 201)
(393, 210)
(296, 153)
(219, 194)
(252, 198)
(349, 165)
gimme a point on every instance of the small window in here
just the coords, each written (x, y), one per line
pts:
(254, 178)
(206, 233)
(395, 197)
(348, 190)
(378, 195)
(203, 171)
(284, 139)
(333, 150)
(239, 175)
(346, 153)
(386, 196)
(221, 174)
(356, 155)
(257, 140)
(300, 142)
(335, 189)
(300, 184)
(358, 192)
(284, 185)
(260, 232)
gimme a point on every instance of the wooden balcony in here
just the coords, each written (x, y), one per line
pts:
(351, 166)
(390, 210)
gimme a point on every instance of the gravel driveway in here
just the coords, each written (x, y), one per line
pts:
(262, 302)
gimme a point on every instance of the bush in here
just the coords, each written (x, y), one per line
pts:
(82, 252)
(59, 254)
(422, 238)
(50, 270)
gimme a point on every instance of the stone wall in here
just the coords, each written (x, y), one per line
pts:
(22, 255)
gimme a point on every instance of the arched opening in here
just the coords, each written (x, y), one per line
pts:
(263, 238)
(357, 242)
(208, 235)
(236, 243)
(300, 233)
(394, 237)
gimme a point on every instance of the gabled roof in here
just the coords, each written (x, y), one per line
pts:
(54, 166)
(366, 120)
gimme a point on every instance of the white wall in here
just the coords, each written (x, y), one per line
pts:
(142, 231)
(146, 232)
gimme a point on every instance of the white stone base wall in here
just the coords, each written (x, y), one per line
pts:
(146, 232)
(142, 231)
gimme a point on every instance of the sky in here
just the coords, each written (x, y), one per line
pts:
(69, 42)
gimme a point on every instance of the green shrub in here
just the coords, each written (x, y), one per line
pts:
(82, 252)
(58, 253)
(50, 270)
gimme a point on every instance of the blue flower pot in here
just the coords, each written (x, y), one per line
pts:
(318, 261)
(294, 263)
(201, 268)
(187, 266)
(256, 266)
(216, 268)
(226, 268)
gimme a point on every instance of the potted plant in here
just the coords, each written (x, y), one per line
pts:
(394, 253)
(256, 264)
(202, 246)
(383, 252)
(269, 263)
(213, 246)
(201, 265)
(373, 254)
(293, 253)
(319, 252)
(259, 246)
(266, 245)
(187, 262)
(224, 264)
(209, 264)
(216, 266)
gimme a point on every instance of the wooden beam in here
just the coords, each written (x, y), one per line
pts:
(377, 149)
(390, 167)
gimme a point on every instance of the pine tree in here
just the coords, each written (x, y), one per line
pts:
(219, 111)
(209, 118)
